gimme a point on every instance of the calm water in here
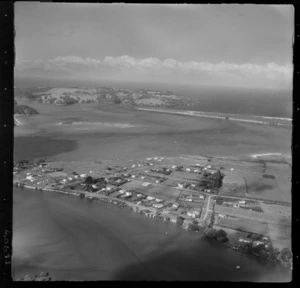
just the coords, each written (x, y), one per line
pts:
(153, 134)
(75, 239)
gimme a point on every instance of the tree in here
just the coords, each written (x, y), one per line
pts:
(180, 220)
(117, 101)
(285, 254)
(23, 163)
(89, 180)
(193, 227)
(210, 233)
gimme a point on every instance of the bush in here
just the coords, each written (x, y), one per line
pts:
(286, 254)
(194, 227)
(179, 221)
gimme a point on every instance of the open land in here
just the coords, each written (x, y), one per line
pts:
(168, 188)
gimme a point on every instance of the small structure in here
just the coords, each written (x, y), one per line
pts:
(146, 184)
(158, 206)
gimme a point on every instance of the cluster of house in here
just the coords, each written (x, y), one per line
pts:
(255, 242)
(192, 197)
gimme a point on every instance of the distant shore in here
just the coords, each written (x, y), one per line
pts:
(223, 116)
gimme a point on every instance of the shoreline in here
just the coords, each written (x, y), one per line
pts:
(142, 211)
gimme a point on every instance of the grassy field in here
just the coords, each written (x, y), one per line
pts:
(244, 225)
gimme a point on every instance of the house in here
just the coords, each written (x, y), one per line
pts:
(242, 202)
(121, 191)
(139, 195)
(157, 181)
(158, 200)
(256, 243)
(222, 215)
(145, 184)
(189, 199)
(150, 198)
(142, 177)
(149, 159)
(244, 240)
(201, 196)
(132, 176)
(133, 166)
(158, 206)
(188, 169)
(174, 166)
(180, 185)
(82, 175)
(193, 214)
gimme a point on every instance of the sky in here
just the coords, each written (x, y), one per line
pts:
(209, 44)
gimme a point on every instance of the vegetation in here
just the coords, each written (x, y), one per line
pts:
(219, 235)
(194, 227)
(285, 254)
(179, 221)
(24, 109)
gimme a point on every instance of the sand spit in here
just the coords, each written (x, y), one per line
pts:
(222, 116)
(105, 124)
(266, 154)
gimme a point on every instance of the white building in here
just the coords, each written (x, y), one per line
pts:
(145, 184)
(158, 206)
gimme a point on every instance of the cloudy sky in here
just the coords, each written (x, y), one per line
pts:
(232, 45)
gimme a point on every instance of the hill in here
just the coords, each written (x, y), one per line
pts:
(104, 95)
(24, 109)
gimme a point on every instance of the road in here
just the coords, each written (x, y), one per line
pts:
(206, 209)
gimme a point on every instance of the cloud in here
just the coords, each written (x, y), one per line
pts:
(168, 67)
